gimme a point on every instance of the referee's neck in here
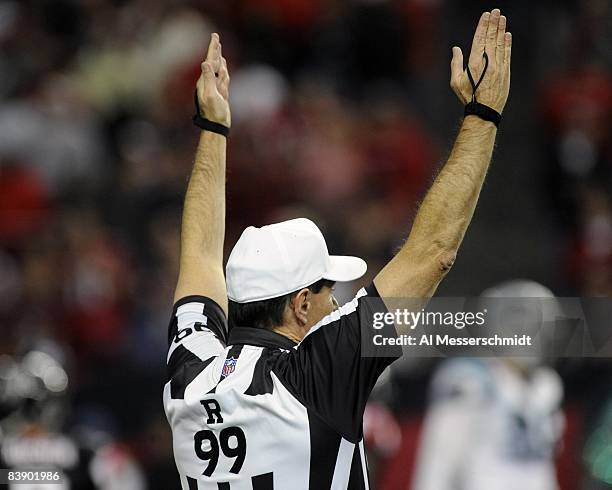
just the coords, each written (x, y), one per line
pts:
(293, 333)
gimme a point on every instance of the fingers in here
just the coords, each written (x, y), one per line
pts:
(507, 49)
(214, 52)
(223, 73)
(208, 73)
(491, 41)
(224, 79)
(214, 70)
(499, 47)
(213, 47)
(478, 43)
(456, 63)
(457, 72)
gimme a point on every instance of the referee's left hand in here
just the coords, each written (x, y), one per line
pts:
(213, 85)
(490, 37)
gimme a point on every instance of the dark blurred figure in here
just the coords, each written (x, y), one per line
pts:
(34, 410)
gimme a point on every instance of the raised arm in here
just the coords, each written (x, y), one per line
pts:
(447, 209)
(203, 225)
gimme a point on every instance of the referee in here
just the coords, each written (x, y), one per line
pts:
(277, 402)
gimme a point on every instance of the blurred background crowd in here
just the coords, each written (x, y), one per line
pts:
(342, 113)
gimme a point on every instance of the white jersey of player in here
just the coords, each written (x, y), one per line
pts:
(489, 428)
(255, 411)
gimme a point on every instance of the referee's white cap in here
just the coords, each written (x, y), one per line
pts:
(280, 258)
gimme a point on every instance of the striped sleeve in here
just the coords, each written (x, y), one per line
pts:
(196, 333)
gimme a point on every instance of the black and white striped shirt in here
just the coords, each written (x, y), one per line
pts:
(255, 411)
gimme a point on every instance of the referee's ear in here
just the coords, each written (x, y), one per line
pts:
(300, 306)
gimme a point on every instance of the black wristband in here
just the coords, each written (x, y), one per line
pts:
(483, 112)
(206, 124)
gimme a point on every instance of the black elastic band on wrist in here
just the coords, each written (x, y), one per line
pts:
(206, 124)
(483, 112)
(475, 108)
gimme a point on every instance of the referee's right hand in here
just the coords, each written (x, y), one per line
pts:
(490, 37)
(213, 85)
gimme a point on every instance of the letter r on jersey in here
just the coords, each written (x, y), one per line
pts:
(213, 410)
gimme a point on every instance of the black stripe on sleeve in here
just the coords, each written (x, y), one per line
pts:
(185, 375)
(324, 447)
(179, 357)
(192, 482)
(217, 321)
(356, 477)
(263, 482)
(262, 379)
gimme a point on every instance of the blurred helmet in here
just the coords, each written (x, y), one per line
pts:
(32, 388)
(521, 306)
(518, 288)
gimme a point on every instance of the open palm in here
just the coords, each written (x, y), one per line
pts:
(213, 85)
(491, 38)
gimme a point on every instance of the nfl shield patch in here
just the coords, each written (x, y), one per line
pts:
(228, 367)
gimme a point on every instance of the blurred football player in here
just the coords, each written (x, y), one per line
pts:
(33, 412)
(494, 423)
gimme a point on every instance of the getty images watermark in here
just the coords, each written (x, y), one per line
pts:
(487, 327)
(404, 319)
